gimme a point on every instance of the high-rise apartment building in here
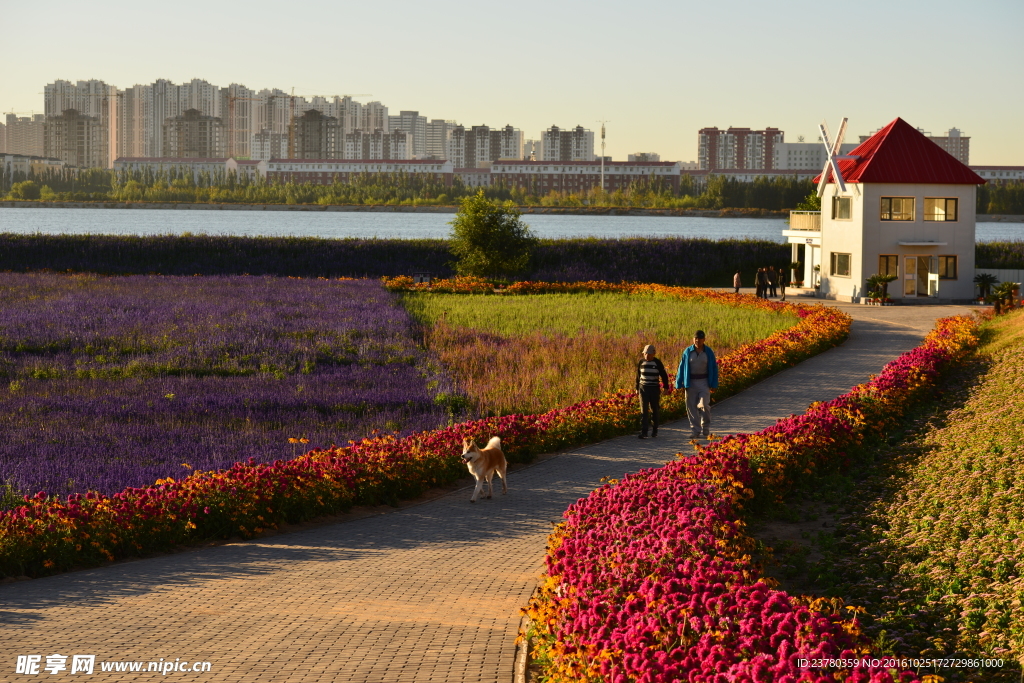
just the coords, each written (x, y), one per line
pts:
(77, 140)
(802, 156)
(439, 131)
(393, 145)
(737, 148)
(533, 150)
(316, 136)
(415, 125)
(98, 103)
(373, 117)
(480, 146)
(265, 146)
(193, 134)
(644, 156)
(25, 135)
(3, 138)
(567, 144)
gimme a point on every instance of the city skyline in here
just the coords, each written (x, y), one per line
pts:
(658, 75)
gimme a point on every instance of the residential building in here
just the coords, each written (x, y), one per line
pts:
(316, 136)
(3, 138)
(265, 145)
(77, 139)
(374, 116)
(802, 156)
(542, 177)
(954, 142)
(737, 148)
(1000, 175)
(394, 145)
(481, 146)
(328, 171)
(93, 99)
(643, 156)
(195, 165)
(416, 126)
(25, 135)
(573, 144)
(474, 177)
(439, 131)
(193, 134)
(907, 209)
(24, 164)
(251, 169)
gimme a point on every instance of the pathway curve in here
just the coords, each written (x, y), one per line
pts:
(427, 593)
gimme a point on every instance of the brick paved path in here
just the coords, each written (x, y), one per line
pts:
(427, 593)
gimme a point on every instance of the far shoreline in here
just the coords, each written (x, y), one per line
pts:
(397, 208)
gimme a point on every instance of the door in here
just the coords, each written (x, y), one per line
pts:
(910, 276)
(922, 275)
(933, 276)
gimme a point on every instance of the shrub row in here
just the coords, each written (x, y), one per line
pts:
(650, 578)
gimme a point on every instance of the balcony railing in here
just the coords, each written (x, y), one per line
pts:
(805, 220)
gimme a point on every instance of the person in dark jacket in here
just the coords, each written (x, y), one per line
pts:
(762, 283)
(698, 375)
(773, 281)
(648, 373)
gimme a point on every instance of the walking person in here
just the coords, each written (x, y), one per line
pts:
(698, 376)
(772, 282)
(648, 373)
(736, 282)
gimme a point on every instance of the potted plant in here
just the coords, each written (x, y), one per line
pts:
(985, 282)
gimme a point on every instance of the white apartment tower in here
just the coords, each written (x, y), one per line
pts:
(439, 132)
(96, 101)
(415, 125)
(561, 144)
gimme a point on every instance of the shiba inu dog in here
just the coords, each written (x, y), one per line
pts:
(483, 463)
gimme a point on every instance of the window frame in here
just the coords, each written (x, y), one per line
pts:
(944, 260)
(946, 201)
(882, 213)
(836, 201)
(895, 260)
(834, 262)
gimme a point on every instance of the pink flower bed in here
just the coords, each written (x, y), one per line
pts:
(649, 579)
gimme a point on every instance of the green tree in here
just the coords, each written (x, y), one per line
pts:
(489, 238)
(28, 189)
(811, 202)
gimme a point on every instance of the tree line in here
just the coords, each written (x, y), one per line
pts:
(173, 185)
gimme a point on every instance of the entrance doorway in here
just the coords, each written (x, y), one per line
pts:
(920, 276)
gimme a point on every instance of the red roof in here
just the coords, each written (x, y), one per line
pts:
(899, 153)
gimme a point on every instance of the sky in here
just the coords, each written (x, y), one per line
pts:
(656, 71)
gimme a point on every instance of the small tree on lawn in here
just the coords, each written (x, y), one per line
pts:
(489, 239)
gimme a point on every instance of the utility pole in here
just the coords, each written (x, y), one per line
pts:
(602, 154)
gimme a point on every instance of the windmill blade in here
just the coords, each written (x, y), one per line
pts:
(837, 174)
(838, 144)
(824, 179)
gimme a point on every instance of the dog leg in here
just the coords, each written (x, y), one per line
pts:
(490, 485)
(504, 486)
(476, 491)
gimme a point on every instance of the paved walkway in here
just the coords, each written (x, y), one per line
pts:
(427, 593)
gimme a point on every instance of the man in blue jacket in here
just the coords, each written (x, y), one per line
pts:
(698, 376)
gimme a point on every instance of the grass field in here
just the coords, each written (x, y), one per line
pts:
(531, 353)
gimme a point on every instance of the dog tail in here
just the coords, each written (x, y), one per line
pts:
(495, 442)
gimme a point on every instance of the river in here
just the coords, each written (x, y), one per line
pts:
(396, 225)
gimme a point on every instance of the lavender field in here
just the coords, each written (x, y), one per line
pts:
(115, 382)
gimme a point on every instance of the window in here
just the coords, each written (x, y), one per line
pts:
(939, 209)
(897, 208)
(842, 208)
(840, 265)
(887, 264)
(947, 267)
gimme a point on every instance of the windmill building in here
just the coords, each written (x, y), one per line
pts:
(897, 204)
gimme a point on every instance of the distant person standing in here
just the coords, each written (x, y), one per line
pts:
(773, 280)
(762, 283)
(698, 376)
(736, 282)
(650, 375)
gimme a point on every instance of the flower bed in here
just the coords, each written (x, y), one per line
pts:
(48, 535)
(649, 579)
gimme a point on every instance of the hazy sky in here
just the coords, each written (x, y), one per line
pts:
(657, 71)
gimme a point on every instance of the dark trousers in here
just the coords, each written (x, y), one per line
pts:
(650, 407)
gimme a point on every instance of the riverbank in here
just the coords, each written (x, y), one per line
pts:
(397, 208)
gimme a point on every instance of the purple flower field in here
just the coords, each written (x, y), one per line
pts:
(115, 382)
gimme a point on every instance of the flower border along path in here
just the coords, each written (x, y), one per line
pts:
(47, 535)
(649, 579)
